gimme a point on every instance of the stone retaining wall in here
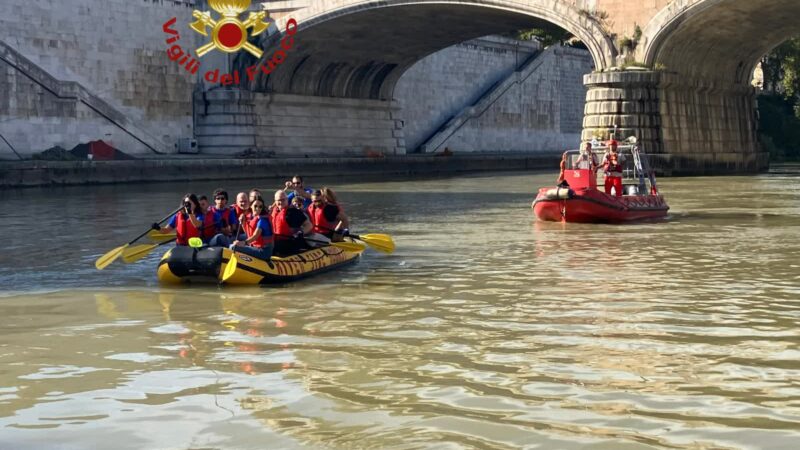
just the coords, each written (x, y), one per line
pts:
(46, 173)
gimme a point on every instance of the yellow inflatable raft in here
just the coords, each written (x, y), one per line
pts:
(206, 265)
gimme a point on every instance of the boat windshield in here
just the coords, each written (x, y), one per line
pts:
(636, 168)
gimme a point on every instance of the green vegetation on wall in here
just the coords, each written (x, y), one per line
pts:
(779, 105)
(779, 128)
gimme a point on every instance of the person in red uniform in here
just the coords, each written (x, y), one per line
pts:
(327, 216)
(258, 228)
(187, 223)
(613, 163)
(288, 225)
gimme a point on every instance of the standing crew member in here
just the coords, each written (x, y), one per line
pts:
(612, 165)
(561, 181)
(587, 159)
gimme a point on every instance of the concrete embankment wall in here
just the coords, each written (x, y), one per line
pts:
(441, 85)
(232, 121)
(47, 173)
(110, 53)
(538, 107)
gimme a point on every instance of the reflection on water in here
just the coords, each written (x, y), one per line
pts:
(485, 329)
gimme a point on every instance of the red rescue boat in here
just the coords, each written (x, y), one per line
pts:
(577, 198)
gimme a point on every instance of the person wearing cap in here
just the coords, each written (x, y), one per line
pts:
(587, 160)
(612, 164)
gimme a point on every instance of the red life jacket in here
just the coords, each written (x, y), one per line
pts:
(613, 168)
(212, 227)
(250, 227)
(240, 211)
(321, 224)
(279, 225)
(184, 229)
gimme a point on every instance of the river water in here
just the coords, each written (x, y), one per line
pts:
(485, 329)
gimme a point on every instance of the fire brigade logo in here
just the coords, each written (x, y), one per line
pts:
(229, 34)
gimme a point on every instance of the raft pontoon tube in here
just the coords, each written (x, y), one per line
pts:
(207, 264)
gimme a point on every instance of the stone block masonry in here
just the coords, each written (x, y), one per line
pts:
(113, 48)
(234, 121)
(536, 108)
(440, 86)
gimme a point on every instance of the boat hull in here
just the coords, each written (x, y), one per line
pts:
(206, 265)
(593, 206)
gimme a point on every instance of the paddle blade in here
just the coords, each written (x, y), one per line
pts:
(380, 242)
(350, 246)
(137, 252)
(230, 268)
(103, 261)
(155, 236)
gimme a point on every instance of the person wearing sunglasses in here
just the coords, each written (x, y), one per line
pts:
(289, 225)
(327, 216)
(224, 220)
(296, 188)
(258, 229)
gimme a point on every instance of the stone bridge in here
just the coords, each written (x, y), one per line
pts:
(674, 73)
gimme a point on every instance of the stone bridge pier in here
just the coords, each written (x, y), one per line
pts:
(687, 90)
(690, 126)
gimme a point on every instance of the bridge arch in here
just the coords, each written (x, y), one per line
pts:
(719, 41)
(359, 49)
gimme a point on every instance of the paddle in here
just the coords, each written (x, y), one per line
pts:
(380, 242)
(103, 261)
(137, 252)
(158, 236)
(230, 267)
(346, 246)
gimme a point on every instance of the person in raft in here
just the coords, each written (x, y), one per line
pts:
(241, 207)
(613, 162)
(224, 221)
(296, 188)
(289, 224)
(258, 229)
(327, 216)
(187, 223)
